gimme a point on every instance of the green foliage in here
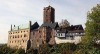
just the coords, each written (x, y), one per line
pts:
(6, 50)
(87, 46)
(92, 33)
(32, 51)
(20, 51)
(64, 23)
(86, 49)
(64, 48)
(44, 49)
(92, 30)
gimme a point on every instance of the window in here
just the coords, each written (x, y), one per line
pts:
(13, 36)
(21, 31)
(61, 34)
(10, 41)
(23, 41)
(15, 41)
(24, 35)
(18, 36)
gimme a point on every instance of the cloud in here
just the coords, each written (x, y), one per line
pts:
(3, 33)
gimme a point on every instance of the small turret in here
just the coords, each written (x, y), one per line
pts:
(11, 27)
(30, 23)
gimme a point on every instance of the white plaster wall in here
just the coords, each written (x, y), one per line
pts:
(63, 35)
(76, 40)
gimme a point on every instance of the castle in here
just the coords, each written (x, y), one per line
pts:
(33, 35)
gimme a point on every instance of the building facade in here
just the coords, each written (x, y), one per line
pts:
(33, 35)
(71, 34)
(20, 36)
(46, 32)
(25, 36)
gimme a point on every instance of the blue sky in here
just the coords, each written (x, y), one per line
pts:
(22, 11)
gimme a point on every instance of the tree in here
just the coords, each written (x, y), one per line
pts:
(92, 33)
(64, 23)
(19, 51)
(32, 51)
(92, 30)
(44, 49)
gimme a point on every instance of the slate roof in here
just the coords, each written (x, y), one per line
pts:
(76, 27)
(76, 31)
(51, 25)
(72, 29)
(34, 26)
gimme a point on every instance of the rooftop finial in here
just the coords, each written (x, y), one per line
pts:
(49, 1)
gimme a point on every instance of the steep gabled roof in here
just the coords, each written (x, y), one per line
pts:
(76, 27)
(34, 26)
(72, 29)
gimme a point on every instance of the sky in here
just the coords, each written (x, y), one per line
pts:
(18, 12)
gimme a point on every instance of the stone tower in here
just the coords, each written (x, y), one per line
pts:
(49, 15)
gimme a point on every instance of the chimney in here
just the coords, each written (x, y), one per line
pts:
(11, 27)
(30, 23)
